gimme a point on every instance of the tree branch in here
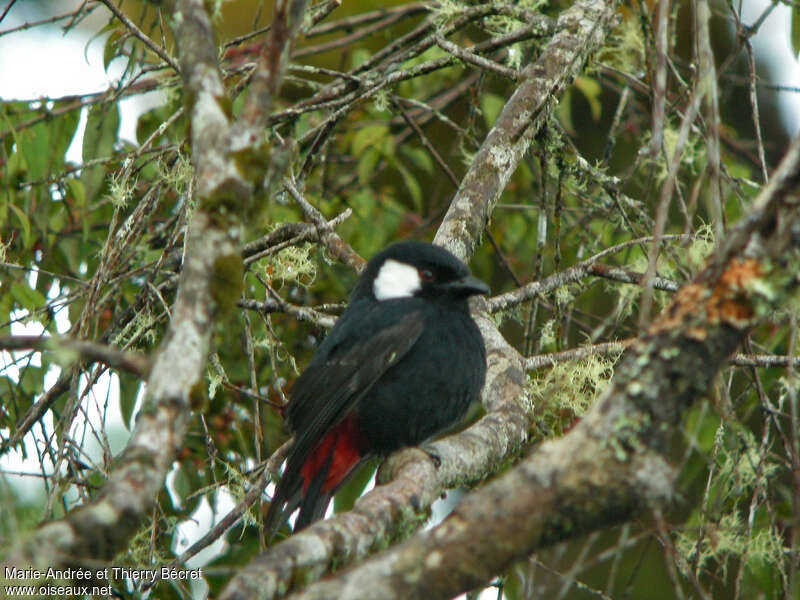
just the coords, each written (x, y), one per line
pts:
(333, 242)
(574, 273)
(612, 466)
(580, 31)
(83, 350)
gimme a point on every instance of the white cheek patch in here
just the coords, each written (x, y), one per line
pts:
(396, 280)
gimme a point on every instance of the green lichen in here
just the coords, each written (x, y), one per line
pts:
(693, 154)
(177, 175)
(216, 375)
(740, 465)
(699, 249)
(728, 538)
(120, 188)
(139, 329)
(547, 333)
(565, 393)
(625, 50)
(293, 265)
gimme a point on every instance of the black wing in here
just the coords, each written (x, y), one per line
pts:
(366, 342)
(326, 392)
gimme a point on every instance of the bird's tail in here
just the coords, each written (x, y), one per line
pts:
(309, 482)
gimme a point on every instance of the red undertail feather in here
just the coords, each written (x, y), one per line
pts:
(346, 442)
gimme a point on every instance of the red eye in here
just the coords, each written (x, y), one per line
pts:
(426, 275)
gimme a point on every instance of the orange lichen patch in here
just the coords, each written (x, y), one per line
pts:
(688, 300)
(697, 333)
(727, 302)
(738, 275)
(734, 313)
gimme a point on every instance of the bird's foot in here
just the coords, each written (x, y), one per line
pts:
(433, 455)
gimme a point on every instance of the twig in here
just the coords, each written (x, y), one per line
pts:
(474, 59)
(660, 78)
(37, 411)
(768, 361)
(287, 235)
(556, 280)
(300, 313)
(86, 351)
(269, 468)
(338, 247)
(33, 24)
(541, 361)
(141, 35)
(626, 276)
(348, 23)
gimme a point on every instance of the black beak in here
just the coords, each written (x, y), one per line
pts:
(467, 286)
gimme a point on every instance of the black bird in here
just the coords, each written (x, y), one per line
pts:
(402, 363)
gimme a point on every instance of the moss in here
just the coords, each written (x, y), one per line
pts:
(227, 205)
(198, 396)
(216, 375)
(176, 175)
(142, 326)
(121, 188)
(226, 283)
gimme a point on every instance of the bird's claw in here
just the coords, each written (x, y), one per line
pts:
(433, 455)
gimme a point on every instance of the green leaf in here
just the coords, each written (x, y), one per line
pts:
(112, 48)
(350, 491)
(44, 144)
(6, 306)
(564, 110)
(31, 380)
(491, 105)
(26, 297)
(101, 131)
(181, 484)
(419, 157)
(592, 91)
(412, 185)
(98, 142)
(366, 165)
(795, 32)
(24, 223)
(128, 391)
(76, 193)
(368, 137)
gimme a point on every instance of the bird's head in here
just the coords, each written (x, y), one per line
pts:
(417, 269)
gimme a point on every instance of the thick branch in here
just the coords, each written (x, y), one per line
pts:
(580, 31)
(286, 19)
